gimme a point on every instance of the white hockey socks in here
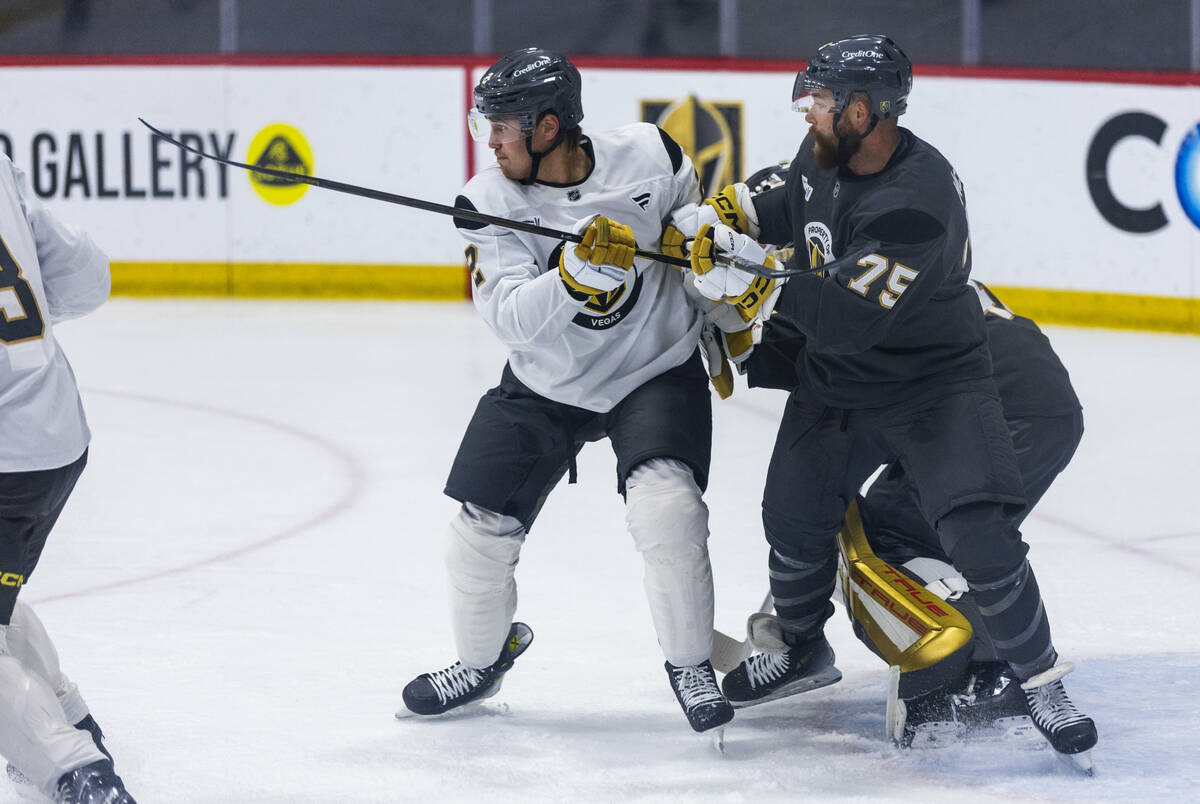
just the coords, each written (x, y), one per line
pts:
(34, 733)
(669, 524)
(31, 645)
(482, 549)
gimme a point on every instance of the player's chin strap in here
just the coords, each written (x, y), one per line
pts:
(537, 158)
(837, 116)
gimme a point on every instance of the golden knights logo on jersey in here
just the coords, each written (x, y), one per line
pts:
(819, 242)
(606, 310)
(710, 133)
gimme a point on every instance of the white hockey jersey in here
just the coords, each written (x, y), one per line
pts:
(588, 353)
(49, 272)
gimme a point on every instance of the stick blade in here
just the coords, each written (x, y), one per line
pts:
(727, 652)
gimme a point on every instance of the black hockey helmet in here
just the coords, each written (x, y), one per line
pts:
(527, 84)
(868, 63)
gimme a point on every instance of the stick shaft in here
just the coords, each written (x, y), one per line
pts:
(494, 220)
(406, 201)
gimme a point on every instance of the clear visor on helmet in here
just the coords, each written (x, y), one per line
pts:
(499, 129)
(803, 100)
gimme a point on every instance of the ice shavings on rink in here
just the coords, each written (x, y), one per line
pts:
(250, 570)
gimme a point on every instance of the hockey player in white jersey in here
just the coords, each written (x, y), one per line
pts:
(49, 272)
(600, 345)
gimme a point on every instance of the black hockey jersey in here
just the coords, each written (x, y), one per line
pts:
(904, 320)
(1030, 378)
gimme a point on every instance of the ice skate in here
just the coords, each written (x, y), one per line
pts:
(706, 708)
(1070, 733)
(992, 705)
(926, 721)
(458, 685)
(97, 783)
(769, 676)
(22, 784)
(988, 704)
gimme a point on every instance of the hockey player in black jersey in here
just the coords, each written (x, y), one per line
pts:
(894, 369)
(942, 693)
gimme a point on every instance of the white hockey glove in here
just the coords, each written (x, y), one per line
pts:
(601, 262)
(732, 206)
(752, 295)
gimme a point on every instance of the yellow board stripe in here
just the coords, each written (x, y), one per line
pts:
(290, 280)
(449, 282)
(1114, 310)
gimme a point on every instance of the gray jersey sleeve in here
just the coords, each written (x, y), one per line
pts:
(75, 272)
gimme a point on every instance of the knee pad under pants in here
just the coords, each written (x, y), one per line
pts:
(34, 733)
(669, 524)
(482, 549)
(29, 643)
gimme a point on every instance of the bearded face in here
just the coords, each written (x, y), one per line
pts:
(832, 149)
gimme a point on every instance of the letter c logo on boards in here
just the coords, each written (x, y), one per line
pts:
(1186, 179)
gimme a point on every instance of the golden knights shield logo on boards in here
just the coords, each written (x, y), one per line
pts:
(710, 133)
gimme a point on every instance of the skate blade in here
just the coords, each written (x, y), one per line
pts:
(935, 734)
(717, 736)
(473, 709)
(1021, 732)
(1080, 763)
(830, 675)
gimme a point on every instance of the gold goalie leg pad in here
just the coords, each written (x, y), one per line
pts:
(909, 626)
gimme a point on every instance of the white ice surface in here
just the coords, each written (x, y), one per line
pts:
(250, 570)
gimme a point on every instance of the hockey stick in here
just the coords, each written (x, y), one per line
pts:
(495, 220)
(727, 652)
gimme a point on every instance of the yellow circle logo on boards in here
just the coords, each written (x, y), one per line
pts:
(280, 147)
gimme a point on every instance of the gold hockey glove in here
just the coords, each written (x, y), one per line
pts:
(720, 348)
(600, 262)
(674, 242)
(735, 208)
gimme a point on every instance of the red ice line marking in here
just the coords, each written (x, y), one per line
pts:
(348, 499)
(1124, 547)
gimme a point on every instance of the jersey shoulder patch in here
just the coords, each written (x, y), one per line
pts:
(489, 192)
(904, 226)
(462, 202)
(673, 150)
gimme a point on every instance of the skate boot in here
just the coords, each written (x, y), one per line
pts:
(97, 783)
(769, 676)
(696, 690)
(925, 721)
(442, 690)
(993, 704)
(1070, 733)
